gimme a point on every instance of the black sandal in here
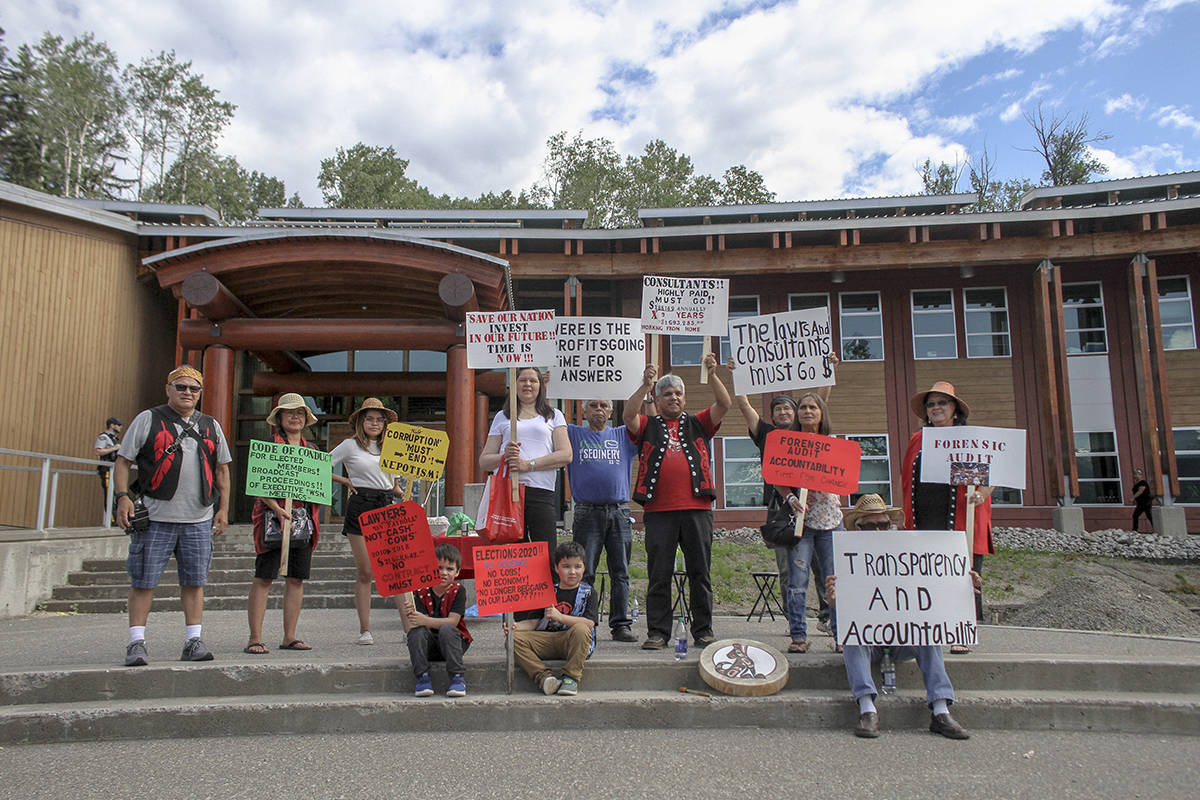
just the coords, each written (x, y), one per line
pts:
(256, 649)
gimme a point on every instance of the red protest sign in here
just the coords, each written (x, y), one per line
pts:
(811, 461)
(400, 546)
(512, 577)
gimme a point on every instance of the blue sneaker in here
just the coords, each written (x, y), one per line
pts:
(424, 686)
(569, 687)
(458, 687)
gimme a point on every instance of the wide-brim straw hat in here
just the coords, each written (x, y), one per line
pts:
(286, 403)
(373, 403)
(944, 387)
(871, 504)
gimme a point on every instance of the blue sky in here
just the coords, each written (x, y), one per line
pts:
(825, 100)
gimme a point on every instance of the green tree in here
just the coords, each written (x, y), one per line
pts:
(741, 185)
(994, 194)
(21, 143)
(201, 119)
(226, 186)
(154, 92)
(582, 174)
(1064, 144)
(371, 177)
(941, 178)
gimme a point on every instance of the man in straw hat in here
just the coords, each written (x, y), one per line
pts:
(872, 513)
(183, 474)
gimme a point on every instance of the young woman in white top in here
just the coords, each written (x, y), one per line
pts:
(370, 488)
(541, 449)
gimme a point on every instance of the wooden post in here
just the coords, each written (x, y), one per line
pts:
(803, 498)
(285, 541)
(970, 526)
(704, 353)
(515, 411)
(654, 349)
(508, 648)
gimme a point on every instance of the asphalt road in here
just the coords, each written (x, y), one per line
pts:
(626, 764)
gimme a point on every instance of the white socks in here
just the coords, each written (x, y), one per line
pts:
(865, 704)
(940, 707)
(191, 632)
(136, 633)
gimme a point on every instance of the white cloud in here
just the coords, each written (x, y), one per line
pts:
(1145, 160)
(1125, 102)
(1177, 117)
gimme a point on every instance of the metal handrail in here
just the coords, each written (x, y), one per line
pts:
(48, 489)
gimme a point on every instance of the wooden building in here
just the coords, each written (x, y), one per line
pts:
(1073, 317)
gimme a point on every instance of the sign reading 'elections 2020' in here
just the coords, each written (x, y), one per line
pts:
(777, 352)
(498, 339)
(692, 306)
(597, 357)
(288, 470)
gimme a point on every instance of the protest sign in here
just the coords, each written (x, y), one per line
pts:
(812, 461)
(498, 339)
(288, 470)
(903, 588)
(777, 352)
(691, 306)
(400, 546)
(413, 451)
(597, 357)
(512, 577)
(972, 455)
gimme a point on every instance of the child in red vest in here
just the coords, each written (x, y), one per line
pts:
(435, 627)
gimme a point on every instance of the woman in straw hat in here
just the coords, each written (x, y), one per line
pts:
(370, 488)
(288, 419)
(940, 506)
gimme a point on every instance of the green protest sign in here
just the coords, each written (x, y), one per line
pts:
(287, 470)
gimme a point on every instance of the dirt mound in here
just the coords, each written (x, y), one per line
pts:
(1105, 603)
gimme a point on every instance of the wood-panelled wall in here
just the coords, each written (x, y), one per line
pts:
(1183, 382)
(83, 340)
(986, 384)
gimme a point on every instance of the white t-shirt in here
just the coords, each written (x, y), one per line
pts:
(361, 466)
(185, 506)
(537, 439)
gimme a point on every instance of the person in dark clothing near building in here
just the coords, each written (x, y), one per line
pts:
(1143, 499)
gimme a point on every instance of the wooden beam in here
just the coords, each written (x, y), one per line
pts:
(457, 294)
(1048, 375)
(321, 335)
(408, 384)
(1143, 382)
(1064, 383)
(1158, 365)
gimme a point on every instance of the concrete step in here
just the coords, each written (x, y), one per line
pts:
(164, 601)
(170, 576)
(233, 588)
(241, 561)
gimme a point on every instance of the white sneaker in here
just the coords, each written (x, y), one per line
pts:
(366, 638)
(550, 684)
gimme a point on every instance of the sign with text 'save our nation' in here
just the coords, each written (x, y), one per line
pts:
(777, 352)
(903, 588)
(513, 577)
(811, 461)
(288, 470)
(400, 547)
(597, 357)
(497, 339)
(413, 451)
(692, 306)
(972, 455)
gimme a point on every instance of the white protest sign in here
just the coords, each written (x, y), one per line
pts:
(498, 339)
(691, 306)
(777, 352)
(903, 588)
(597, 357)
(972, 455)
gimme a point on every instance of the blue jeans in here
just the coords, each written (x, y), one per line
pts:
(801, 555)
(929, 659)
(606, 527)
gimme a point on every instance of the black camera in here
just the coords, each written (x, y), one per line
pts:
(139, 520)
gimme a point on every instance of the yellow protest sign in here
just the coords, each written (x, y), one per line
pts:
(413, 451)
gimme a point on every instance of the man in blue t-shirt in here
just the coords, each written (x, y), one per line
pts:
(599, 475)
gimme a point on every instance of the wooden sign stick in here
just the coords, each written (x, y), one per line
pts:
(508, 648)
(512, 426)
(285, 541)
(654, 349)
(407, 490)
(704, 352)
(803, 498)
(970, 527)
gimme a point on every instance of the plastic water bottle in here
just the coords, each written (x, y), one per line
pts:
(887, 668)
(633, 610)
(680, 640)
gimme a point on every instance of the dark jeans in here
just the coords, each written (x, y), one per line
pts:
(541, 520)
(446, 645)
(606, 527)
(691, 531)
(1138, 512)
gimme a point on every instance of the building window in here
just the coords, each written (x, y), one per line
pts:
(1083, 318)
(804, 302)
(328, 362)
(743, 473)
(985, 314)
(1187, 460)
(686, 350)
(1004, 496)
(875, 474)
(1175, 312)
(1099, 473)
(933, 324)
(862, 326)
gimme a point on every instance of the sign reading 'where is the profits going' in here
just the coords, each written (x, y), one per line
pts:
(413, 451)
(289, 471)
(597, 357)
(400, 546)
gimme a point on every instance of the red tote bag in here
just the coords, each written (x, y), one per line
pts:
(501, 519)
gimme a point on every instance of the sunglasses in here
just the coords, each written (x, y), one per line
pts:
(874, 526)
(183, 388)
(936, 403)
(378, 420)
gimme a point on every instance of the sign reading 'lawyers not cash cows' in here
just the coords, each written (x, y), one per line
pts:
(777, 352)
(400, 546)
(513, 577)
(597, 357)
(414, 452)
(290, 471)
(811, 461)
(694, 306)
(972, 455)
(498, 339)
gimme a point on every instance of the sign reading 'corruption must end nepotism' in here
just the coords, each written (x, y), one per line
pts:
(413, 451)
(287, 470)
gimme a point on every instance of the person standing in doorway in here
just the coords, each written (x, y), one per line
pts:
(106, 447)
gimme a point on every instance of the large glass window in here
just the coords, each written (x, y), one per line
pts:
(933, 324)
(686, 350)
(875, 474)
(985, 314)
(328, 362)
(378, 360)
(862, 326)
(1083, 318)
(803, 302)
(1187, 460)
(743, 473)
(1099, 472)
(1175, 312)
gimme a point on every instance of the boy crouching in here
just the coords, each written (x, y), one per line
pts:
(566, 629)
(435, 627)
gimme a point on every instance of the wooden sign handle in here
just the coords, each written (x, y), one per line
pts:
(508, 648)
(512, 427)
(803, 498)
(970, 526)
(655, 347)
(285, 541)
(704, 353)
(408, 482)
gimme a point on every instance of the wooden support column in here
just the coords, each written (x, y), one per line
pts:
(1142, 379)
(1048, 375)
(460, 413)
(219, 379)
(1054, 347)
(1158, 380)
(482, 423)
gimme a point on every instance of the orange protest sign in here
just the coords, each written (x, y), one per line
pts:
(512, 577)
(400, 546)
(816, 462)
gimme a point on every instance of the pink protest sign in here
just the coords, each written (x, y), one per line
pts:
(400, 545)
(811, 461)
(512, 577)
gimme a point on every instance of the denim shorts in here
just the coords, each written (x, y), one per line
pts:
(149, 552)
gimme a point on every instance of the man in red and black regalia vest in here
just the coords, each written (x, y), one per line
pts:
(675, 487)
(183, 475)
